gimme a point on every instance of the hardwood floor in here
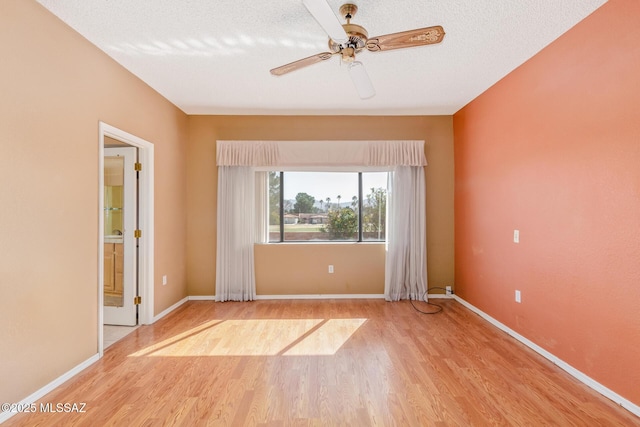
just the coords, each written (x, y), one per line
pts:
(325, 363)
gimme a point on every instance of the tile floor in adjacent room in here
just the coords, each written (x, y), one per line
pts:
(114, 333)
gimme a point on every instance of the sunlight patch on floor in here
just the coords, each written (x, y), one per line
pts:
(262, 337)
(326, 339)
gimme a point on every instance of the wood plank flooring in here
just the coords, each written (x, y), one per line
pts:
(325, 363)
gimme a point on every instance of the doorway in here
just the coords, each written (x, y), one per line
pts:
(120, 241)
(139, 269)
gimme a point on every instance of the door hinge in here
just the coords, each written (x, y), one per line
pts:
(137, 166)
(137, 234)
(137, 300)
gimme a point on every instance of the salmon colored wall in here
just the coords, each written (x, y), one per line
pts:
(553, 150)
(55, 87)
(202, 188)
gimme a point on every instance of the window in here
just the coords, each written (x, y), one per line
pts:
(327, 206)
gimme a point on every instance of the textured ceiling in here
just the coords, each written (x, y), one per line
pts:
(214, 56)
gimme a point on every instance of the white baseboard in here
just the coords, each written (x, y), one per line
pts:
(321, 296)
(34, 397)
(202, 298)
(313, 296)
(170, 309)
(580, 376)
(429, 296)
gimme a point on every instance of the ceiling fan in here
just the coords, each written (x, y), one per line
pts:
(349, 39)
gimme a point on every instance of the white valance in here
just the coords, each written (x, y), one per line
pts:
(320, 153)
(247, 153)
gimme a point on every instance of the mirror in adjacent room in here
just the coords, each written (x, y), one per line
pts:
(113, 231)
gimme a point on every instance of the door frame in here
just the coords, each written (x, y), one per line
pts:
(145, 223)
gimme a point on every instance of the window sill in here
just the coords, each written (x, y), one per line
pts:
(321, 242)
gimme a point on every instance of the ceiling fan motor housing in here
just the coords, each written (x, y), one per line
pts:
(357, 40)
(357, 35)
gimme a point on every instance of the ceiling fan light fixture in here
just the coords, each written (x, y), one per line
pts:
(361, 80)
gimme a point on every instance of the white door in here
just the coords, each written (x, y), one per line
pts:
(120, 218)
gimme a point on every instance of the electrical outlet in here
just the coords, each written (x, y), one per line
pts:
(518, 297)
(164, 279)
(449, 292)
(330, 269)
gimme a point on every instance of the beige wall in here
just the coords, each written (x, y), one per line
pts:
(300, 269)
(55, 87)
(280, 268)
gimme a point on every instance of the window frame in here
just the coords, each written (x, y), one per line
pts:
(360, 233)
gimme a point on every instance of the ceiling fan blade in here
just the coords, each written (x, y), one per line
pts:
(361, 80)
(411, 38)
(301, 63)
(322, 12)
